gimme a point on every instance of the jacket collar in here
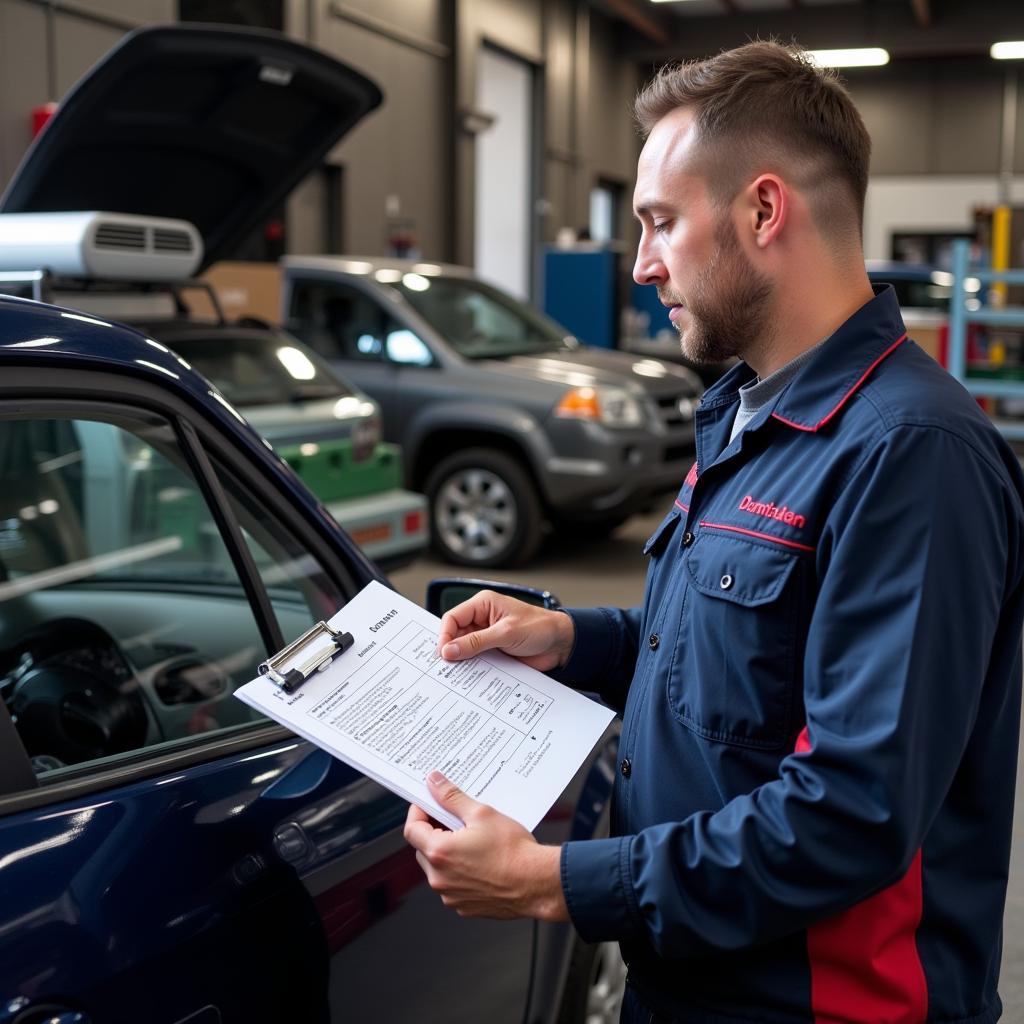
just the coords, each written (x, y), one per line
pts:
(845, 360)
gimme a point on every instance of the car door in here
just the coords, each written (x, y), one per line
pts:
(179, 858)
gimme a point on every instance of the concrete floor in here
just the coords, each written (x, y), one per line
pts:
(612, 572)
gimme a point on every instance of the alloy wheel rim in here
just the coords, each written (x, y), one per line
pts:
(607, 983)
(476, 514)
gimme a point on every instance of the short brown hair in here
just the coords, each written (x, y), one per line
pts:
(765, 106)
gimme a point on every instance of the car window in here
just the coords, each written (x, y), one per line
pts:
(300, 591)
(339, 322)
(124, 625)
(255, 368)
(478, 321)
(404, 346)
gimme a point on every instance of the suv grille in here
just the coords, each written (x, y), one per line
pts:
(671, 414)
(120, 236)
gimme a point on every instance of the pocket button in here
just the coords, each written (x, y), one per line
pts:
(687, 539)
(725, 582)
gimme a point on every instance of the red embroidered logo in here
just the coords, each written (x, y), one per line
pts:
(770, 510)
(691, 477)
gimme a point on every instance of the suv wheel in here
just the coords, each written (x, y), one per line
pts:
(484, 509)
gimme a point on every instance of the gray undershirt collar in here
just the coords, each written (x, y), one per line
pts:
(756, 394)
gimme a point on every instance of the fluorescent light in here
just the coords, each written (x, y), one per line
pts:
(865, 57)
(1010, 50)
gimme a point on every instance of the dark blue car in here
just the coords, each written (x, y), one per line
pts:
(166, 855)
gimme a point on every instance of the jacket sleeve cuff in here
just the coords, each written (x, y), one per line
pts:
(598, 889)
(594, 650)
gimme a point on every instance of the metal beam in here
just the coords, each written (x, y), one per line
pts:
(966, 30)
(629, 12)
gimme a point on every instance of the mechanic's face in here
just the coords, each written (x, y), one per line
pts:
(690, 251)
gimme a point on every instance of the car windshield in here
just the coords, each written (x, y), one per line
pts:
(255, 368)
(481, 322)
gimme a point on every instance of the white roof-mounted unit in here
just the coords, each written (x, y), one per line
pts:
(101, 246)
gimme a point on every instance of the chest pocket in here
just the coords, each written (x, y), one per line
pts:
(737, 665)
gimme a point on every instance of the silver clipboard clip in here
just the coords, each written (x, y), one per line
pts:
(291, 680)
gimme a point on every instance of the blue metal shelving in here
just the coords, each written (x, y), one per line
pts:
(997, 316)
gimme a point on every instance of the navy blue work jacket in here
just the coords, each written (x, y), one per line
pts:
(821, 705)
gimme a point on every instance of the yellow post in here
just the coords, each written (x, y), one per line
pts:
(1001, 217)
(1000, 250)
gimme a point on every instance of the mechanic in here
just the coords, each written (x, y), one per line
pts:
(821, 692)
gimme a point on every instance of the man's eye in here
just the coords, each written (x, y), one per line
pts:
(662, 226)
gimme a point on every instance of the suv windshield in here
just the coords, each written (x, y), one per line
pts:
(252, 368)
(479, 321)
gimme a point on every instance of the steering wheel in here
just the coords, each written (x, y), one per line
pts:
(75, 697)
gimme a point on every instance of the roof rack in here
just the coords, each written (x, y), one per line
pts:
(44, 284)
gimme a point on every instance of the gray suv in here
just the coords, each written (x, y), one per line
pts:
(507, 423)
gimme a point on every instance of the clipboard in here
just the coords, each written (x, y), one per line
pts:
(289, 679)
(394, 710)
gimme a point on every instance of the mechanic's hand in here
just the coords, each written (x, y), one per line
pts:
(538, 637)
(491, 868)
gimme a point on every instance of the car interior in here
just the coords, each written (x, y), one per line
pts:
(124, 623)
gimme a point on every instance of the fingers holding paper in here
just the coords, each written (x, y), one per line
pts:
(491, 868)
(539, 637)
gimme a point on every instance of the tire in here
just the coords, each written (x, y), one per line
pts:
(484, 509)
(594, 986)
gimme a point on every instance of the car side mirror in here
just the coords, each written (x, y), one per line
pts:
(446, 592)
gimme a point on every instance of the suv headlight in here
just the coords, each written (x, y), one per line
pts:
(614, 407)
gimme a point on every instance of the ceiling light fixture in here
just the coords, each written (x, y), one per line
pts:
(864, 57)
(1009, 50)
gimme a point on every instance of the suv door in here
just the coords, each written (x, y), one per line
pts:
(350, 330)
(180, 858)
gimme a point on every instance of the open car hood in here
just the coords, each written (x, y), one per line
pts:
(209, 124)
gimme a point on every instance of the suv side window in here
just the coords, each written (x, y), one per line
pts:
(338, 321)
(123, 622)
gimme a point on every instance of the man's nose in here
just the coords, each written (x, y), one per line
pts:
(647, 269)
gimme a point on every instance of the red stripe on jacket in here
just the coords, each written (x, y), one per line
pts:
(864, 962)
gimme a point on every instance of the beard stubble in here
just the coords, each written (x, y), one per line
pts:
(728, 308)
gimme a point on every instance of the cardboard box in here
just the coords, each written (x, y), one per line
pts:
(245, 289)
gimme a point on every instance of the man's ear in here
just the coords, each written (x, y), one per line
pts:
(767, 208)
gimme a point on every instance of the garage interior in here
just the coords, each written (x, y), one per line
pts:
(531, 99)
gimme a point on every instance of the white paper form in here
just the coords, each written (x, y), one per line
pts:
(393, 709)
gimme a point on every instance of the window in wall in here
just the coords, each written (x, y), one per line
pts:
(605, 203)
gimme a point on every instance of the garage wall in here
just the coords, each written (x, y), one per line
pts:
(584, 78)
(936, 125)
(45, 48)
(396, 163)
(934, 117)
(909, 202)
(411, 163)
(936, 129)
